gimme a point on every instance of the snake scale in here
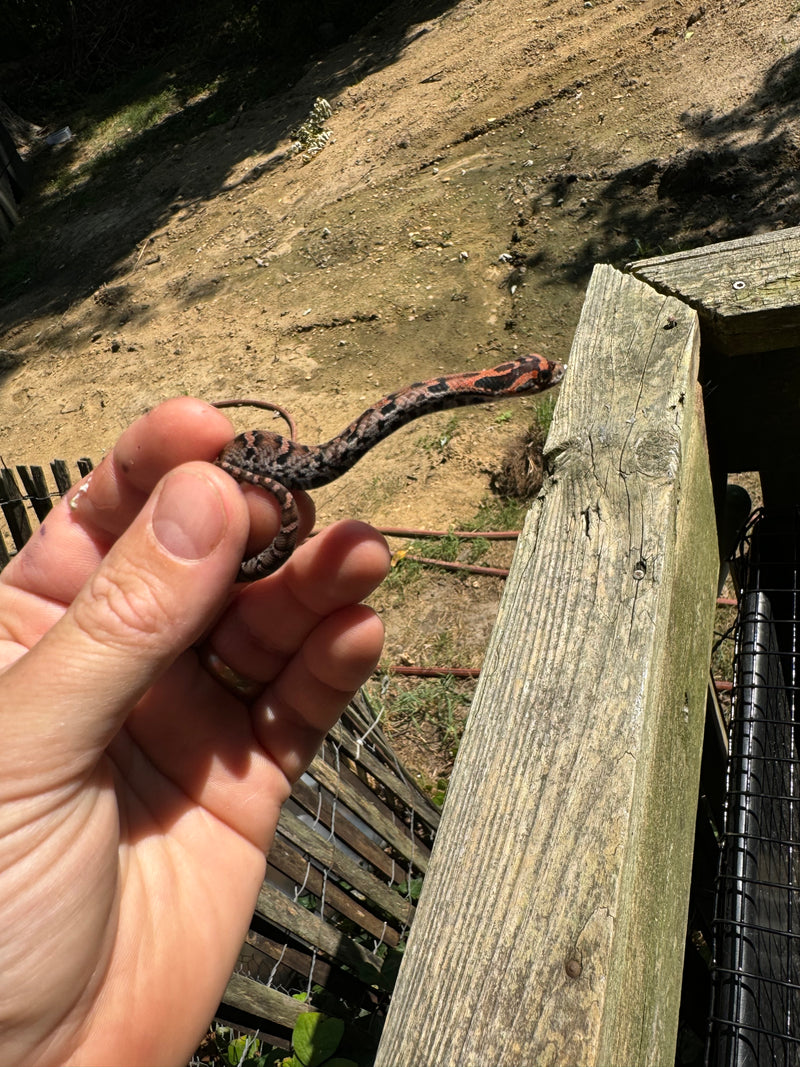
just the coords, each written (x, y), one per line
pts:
(281, 465)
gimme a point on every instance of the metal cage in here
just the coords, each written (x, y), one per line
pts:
(755, 1018)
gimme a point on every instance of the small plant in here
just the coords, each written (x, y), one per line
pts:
(495, 513)
(221, 1048)
(315, 1039)
(477, 550)
(435, 710)
(644, 249)
(403, 575)
(444, 548)
(439, 442)
(543, 416)
(311, 137)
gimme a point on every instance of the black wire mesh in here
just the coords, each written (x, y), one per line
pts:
(755, 1017)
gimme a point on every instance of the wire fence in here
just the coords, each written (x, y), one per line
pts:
(755, 1017)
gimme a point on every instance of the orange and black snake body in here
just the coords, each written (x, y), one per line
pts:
(281, 465)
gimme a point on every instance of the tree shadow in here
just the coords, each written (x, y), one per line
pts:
(72, 243)
(744, 179)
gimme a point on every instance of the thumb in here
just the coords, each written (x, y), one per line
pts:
(155, 592)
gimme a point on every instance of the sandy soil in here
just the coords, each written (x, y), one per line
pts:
(484, 157)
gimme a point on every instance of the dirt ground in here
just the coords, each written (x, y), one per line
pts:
(484, 155)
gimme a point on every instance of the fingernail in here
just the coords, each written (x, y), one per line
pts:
(189, 518)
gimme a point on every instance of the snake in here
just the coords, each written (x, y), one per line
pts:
(281, 465)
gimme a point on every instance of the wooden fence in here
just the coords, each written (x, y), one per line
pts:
(26, 498)
(352, 846)
(552, 924)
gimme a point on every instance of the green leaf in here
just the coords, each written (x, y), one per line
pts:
(244, 1050)
(235, 1050)
(411, 889)
(316, 1037)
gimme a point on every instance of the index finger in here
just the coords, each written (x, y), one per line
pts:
(80, 530)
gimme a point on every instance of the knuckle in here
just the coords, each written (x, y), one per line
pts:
(126, 606)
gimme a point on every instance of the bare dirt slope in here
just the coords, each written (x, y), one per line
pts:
(484, 157)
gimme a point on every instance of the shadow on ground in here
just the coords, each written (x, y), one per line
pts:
(71, 243)
(744, 179)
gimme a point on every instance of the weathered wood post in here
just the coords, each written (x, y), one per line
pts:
(552, 921)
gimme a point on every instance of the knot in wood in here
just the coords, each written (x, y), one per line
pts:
(657, 453)
(573, 968)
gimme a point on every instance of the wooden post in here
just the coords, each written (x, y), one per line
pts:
(552, 921)
(13, 505)
(745, 291)
(747, 294)
(35, 485)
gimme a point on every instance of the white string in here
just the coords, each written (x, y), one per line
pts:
(377, 944)
(360, 740)
(334, 796)
(278, 962)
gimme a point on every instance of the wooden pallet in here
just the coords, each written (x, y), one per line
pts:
(352, 846)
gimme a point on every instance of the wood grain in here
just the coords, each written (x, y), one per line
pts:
(552, 920)
(248, 995)
(746, 292)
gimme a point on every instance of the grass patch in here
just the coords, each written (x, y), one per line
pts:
(438, 442)
(496, 513)
(107, 143)
(432, 712)
(405, 572)
(543, 415)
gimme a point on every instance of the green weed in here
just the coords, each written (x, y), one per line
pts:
(438, 442)
(496, 513)
(543, 415)
(434, 710)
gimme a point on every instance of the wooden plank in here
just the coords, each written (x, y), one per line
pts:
(61, 475)
(318, 805)
(404, 791)
(13, 508)
(258, 999)
(278, 908)
(347, 788)
(552, 920)
(280, 960)
(746, 292)
(289, 862)
(301, 962)
(334, 859)
(33, 481)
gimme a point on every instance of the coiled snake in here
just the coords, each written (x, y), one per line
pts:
(280, 465)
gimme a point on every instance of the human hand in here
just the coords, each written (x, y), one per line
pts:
(137, 795)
